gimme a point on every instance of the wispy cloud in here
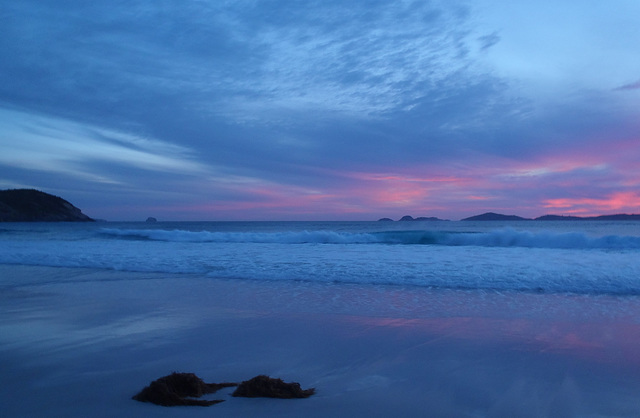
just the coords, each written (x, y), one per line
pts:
(594, 206)
(57, 145)
(328, 106)
(630, 86)
(487, 41)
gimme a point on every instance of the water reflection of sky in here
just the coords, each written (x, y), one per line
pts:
(603, 342)
(363, 346)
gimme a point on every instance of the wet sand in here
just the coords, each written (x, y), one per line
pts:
(79, 342)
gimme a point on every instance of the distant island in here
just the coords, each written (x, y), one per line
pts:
(492, 216)
(29, 205)
(408, 218)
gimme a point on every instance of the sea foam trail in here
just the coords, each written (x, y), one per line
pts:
(394, 262)
(304, 237)
(497, 238)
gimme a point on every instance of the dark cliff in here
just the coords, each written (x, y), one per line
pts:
(28, 205)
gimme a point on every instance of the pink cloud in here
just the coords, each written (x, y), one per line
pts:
(574, 183)
(620, 201)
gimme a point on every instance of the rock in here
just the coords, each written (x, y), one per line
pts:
(177, 389)
(28, 205)
(265, 386)
(407, 218)
(385, 220)
(151, 219)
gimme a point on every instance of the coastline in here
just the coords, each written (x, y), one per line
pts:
(79, 342)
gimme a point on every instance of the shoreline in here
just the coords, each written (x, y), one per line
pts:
(99, 337)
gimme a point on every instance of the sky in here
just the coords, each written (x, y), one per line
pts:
(322, 110)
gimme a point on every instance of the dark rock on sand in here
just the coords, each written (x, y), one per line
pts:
(28, 205)
(265, 386)
(177, 388)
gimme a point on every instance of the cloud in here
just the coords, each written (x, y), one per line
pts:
(487, 41)
(594, 206)
(322, 105)
(51, 145)
(630, 86)
(253, 57)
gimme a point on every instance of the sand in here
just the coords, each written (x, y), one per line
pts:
(79, 342)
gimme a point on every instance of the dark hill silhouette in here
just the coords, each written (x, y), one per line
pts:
(618, 217)
(29, 205)
(491, 216)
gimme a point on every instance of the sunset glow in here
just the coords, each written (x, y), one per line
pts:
(325, 111)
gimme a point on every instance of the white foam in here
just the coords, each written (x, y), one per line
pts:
(318, 237)
(504, 259)
(497, 238)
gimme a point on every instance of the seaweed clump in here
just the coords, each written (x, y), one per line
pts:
(178, 389)
(265, 386)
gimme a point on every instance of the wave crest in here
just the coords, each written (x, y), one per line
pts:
(497, 238)
(304, 237)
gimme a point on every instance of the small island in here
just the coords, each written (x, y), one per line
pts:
(491, 216)
(30, 205)
(408, 218)
(499, 217)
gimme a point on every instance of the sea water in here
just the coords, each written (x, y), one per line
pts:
(465, 319)
(584, 257)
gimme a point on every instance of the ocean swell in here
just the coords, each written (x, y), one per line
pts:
(304, 237)
(497, 238)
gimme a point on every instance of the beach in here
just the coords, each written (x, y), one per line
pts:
(407, 208)
(82, 342)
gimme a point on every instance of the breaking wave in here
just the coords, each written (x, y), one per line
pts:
(497, 238)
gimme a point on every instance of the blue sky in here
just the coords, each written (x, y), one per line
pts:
(259, 110)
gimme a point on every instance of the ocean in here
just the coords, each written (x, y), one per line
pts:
(584, 257)
(412, 319)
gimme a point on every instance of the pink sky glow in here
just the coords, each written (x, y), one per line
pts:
(323, 111)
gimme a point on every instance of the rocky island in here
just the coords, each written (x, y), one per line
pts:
(408, 218)
(29, 205)
(491, 216)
